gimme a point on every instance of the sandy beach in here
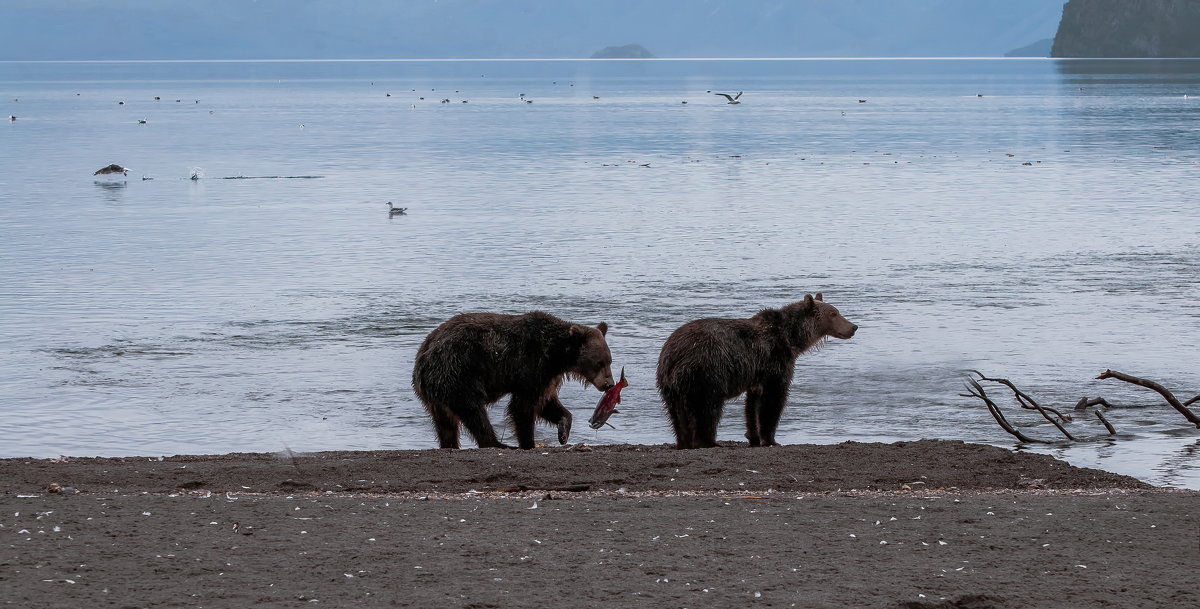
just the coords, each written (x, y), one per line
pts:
(911, 524)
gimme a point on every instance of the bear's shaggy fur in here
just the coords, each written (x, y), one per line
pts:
(474, 359)
(707, 361)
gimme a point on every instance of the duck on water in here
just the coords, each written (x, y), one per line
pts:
(112, 169)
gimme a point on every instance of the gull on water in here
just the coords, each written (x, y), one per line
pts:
(396, 211)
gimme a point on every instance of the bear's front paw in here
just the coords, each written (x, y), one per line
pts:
(564, 429)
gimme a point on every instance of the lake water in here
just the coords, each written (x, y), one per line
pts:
(1043, 232)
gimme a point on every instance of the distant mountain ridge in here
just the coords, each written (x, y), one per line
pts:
(1040, 48)
(1129, 28)
(628, 51)
(336, 29)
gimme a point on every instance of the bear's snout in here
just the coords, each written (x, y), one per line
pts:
(844, 330)
(605, 382)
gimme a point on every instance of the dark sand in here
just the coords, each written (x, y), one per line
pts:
(914, 524)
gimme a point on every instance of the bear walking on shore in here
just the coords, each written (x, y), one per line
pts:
(474, 359)
(707, 361)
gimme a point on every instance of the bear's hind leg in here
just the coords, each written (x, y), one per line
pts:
(556, 414)
(753, 399)
(770, 408)
(445, 424)
(706, 416)
(676, 406)
(681, 426)
(474, 418)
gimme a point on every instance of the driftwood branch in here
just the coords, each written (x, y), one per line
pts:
(1086, 402)
(1107, 425)
(570, 488)
(1024, 399)
(1028, 402)
(1192, 401)
(976, 390)
(1167, 395)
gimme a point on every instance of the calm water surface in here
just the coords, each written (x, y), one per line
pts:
(1043, 232)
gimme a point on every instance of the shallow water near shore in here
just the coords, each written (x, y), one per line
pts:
(1035, 220)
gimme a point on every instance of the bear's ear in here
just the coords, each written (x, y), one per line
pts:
(808, 305)
(603, 328)
(577, 332)
(818, 297)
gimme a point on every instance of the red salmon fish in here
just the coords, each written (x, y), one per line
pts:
(608, 403)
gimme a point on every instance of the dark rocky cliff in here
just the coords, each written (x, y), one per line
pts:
(1128, 28)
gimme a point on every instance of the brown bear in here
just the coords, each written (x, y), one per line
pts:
(708, 361)
(474, 359)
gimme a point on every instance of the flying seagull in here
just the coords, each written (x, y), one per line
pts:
(111, 169)
(733, 99)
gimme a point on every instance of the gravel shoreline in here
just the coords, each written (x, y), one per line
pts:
(912, 524)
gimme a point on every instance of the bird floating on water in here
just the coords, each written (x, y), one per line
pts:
(111, 169)
(733, 99)
(396, 211)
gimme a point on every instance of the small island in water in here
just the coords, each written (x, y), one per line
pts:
(628, 51)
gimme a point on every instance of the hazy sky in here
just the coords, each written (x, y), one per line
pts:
(174, 29)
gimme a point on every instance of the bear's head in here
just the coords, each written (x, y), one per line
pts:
(812, 320)
(829, 320)
(594, 362)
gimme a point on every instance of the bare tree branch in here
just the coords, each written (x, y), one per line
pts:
(1107, 425)
(976, 390)
(1192, 401)
(1167, 395)
(1023, 398)
(1086, 402)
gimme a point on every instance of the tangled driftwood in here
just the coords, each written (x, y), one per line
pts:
(1163, 391)
(974, 389)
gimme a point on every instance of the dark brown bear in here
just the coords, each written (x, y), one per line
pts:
(708, 361)
(474, 359)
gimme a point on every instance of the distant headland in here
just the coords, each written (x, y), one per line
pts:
(628, 51)
(1128, 28)
(1040, 48)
